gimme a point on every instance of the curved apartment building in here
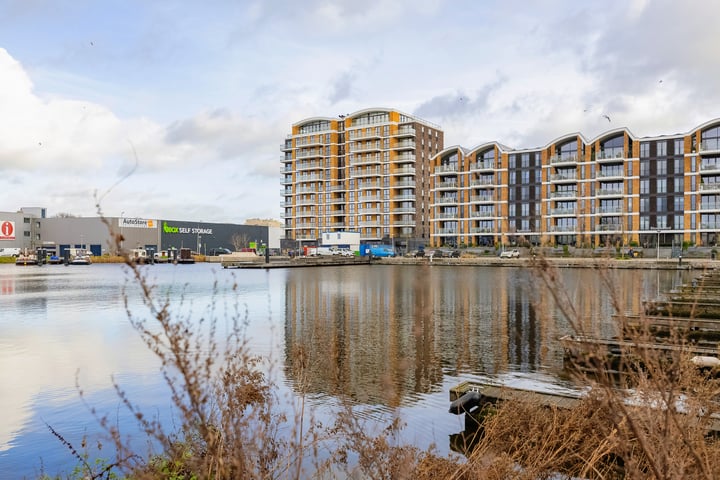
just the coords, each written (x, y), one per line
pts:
(366, 172)
(615, 189)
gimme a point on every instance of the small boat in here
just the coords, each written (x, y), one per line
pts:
(26, 260)
(79, 256)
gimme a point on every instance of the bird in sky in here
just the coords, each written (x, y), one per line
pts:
(606, 117)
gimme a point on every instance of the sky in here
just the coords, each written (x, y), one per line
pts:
(177, 109)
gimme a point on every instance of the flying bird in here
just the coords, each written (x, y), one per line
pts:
(606, 117)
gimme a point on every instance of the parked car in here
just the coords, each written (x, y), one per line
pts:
(455, 254)
(213, 252)
(416, 253)
(514, 253)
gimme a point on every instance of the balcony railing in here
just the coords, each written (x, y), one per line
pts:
(710, 146)
(564, 194)
(482, 166)
(446, 168)
(563, 158)
(709, 187)
(482, 182)
(448, 200)
(446, 216)
(563, 177)
(610, 155)
(609, 192)
(563, 211)
(482, 214)
(481, 230)
(482, 198)
(445, 185)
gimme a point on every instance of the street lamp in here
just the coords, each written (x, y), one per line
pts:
(657, 244)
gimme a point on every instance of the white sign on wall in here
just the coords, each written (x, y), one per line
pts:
(125, 222)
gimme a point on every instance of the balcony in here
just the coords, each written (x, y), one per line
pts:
(709, 167)
(365, 147)
(710, 146)
(613, 227)
(362, 133)
(405, 145)
(710, 187)
(566, 159)
(563, 177)
(482, 199)
(309, 153)
(308, 178)
(714, 206)
(446, 231)
(405, 197)
(307, 165)
(610, 156)
(482, 230)
(368, 185)
(483, 182)
(564, 194)
(614, 210)
(365, 172)
(563, 228)
(369, 223)
(446, 168)
(369, 211)
(366, 160)
(482, 214)
(405, 131)
(403, 222)
(306, 201)
(446, 200)
(447, 216)
(404, 210)
(369, 198)
(609, 192)
(404, 158)
(482, 166)
(404, 183)
(610, 174)
(403, 171)
(710, 226)
(560, 212)
(446, 185)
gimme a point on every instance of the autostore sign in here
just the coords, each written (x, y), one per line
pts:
(136, 223)
(7, 230)
(167, 228)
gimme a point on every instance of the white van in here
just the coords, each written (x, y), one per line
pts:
(9, 252)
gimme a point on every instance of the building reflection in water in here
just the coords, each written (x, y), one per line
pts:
(384, 334)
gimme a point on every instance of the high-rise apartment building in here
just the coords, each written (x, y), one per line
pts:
(366, 172)
(615, 189)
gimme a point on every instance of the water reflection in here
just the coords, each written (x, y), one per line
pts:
(387, 334)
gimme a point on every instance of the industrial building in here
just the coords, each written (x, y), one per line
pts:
(30, 228)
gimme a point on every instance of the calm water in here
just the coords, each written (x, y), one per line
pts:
(369, 331)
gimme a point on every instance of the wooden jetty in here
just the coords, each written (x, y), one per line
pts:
(473, 398)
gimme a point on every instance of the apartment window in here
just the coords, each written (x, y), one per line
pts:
(644, 205)
(644, 186)
(679, 183)
(679, 203)
(661, 148)
(644, 168)
(661, 166)
(679, 222)
(644, 150)
(679, 147)
(26, 233)
(661, 185)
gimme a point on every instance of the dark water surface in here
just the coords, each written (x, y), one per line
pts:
(382, 335)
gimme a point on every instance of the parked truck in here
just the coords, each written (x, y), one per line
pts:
(377, 250)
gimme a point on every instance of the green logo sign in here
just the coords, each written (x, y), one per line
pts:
(168, 229)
